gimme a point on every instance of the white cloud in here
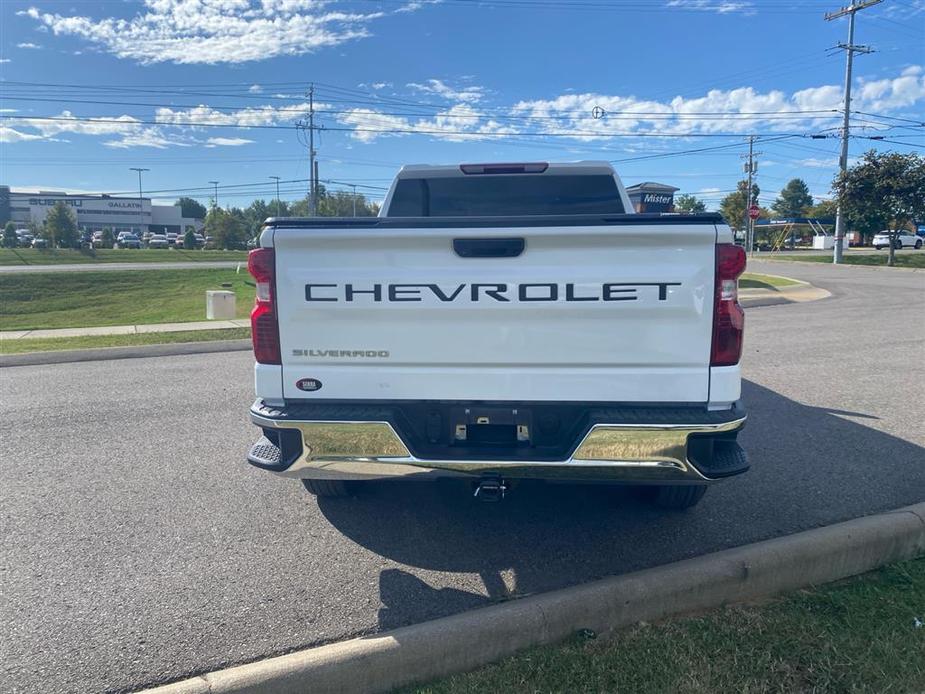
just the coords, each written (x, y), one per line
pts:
(249, 116)
(5, 60)
(909, 8)
(717, 6)
(32, 46)
(444, 91)
(227, 141)
(889, 94)
(457, 123)
(149, 137)
(130, 131)
(216, 31)
(816, 163)
(255, 89)
(827, 163)
(742, 110)
(9, 135)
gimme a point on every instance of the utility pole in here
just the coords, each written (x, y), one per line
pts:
(276, 178)
(354, 186)
(309, 124)
(141, 204)
(850, 49)
(317, 184)
(751, 168)
(312, 203)
(215, 198)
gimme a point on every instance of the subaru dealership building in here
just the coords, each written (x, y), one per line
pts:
(94, 212)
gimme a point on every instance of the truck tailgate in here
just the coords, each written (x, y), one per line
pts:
(600, 312)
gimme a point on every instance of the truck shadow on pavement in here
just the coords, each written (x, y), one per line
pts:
(449, 552)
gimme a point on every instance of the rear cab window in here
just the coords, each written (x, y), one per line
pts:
(506, 195)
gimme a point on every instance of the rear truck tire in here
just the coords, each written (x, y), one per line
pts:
(677, 497)
(329, 488)
(918, 245)
(899, 245)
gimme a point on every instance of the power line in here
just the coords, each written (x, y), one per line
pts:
(893, 142)
(624, 115)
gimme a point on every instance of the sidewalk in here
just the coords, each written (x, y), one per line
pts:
(127, 329)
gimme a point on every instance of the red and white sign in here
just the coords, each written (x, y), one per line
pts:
(754, 212)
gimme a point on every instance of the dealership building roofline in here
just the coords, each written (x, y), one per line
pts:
(94, 212)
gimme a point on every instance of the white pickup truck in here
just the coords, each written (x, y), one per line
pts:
(501, 322)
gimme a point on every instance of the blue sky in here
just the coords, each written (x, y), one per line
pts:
(171, 85)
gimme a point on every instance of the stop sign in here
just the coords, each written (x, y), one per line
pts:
(754, 212)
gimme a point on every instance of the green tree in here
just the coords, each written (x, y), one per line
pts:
(824, 209)
(689, 204)
(10, 239)
(107, 238)
(885, 190)
(225, 228)
(734, 206)
(259, 211)
(60, 227)
(189, 239)
(191, 209)
(336, 204)
(794, 199)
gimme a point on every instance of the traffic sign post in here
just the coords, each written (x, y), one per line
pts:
(754, 212)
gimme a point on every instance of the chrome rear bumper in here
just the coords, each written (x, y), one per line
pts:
(363, 450)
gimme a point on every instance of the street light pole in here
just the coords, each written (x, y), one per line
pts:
(141, 204)
(276, 178)
(215, 199)
(354, 186)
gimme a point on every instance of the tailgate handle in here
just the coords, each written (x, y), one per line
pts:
(488, 248)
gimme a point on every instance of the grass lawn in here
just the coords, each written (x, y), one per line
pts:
(59, 343)
(903, 258)
(85, 299)
(751, 280)
(854, 636)
(36, 256)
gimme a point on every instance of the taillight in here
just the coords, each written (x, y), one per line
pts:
(728, 316)
(261, 264)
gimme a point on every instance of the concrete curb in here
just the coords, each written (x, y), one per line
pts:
(851, 265)
(462, 642)
(66, 356)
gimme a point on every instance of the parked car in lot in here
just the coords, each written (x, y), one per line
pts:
(198, 241)
(24, 237)
(904, 239)
(127, 240)
(157, 241)
(39, 243)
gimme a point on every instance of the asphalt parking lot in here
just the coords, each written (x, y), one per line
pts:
(139, 548)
